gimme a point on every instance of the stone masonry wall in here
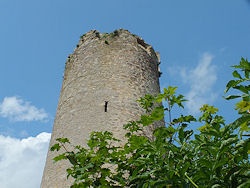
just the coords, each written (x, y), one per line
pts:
(118, 67)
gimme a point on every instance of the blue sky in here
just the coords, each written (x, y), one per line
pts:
(198, 42)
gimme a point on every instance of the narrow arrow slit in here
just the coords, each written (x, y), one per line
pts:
(106, 106)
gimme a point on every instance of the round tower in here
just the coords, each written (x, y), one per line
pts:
(103, 78)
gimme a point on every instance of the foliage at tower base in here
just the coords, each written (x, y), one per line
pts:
(215, 156)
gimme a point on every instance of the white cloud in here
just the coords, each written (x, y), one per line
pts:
(22, 161)
(16, 109)
(200, 80)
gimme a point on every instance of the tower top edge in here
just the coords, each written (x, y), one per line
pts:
(95, 34)
(115, 33)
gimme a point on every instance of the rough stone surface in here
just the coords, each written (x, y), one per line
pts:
(118, 67)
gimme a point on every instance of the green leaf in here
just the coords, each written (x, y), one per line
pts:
(159, 98)
(56, 147)
(145, 120)
(63, 140)
(236, 74)
(147, 102)
(229, 97)
(242, 106)
(240, 122)
(181, 134)
(72, 159)
(188, 133)
(242, 88)
(233, 83)
(228, 142)
(158, 113)
(209, 109)
(244, 127)
(203, 128)
(171, 90)
(89, 165)
(59, 157)
(245, 184)
(171, 130)
(247, 74)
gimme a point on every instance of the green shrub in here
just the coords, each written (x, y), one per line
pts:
(216, 155)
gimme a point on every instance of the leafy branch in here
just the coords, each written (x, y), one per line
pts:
(174, 156)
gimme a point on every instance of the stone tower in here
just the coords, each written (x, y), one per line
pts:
(103, 78)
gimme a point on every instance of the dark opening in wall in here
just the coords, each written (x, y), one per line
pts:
(106, 106)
